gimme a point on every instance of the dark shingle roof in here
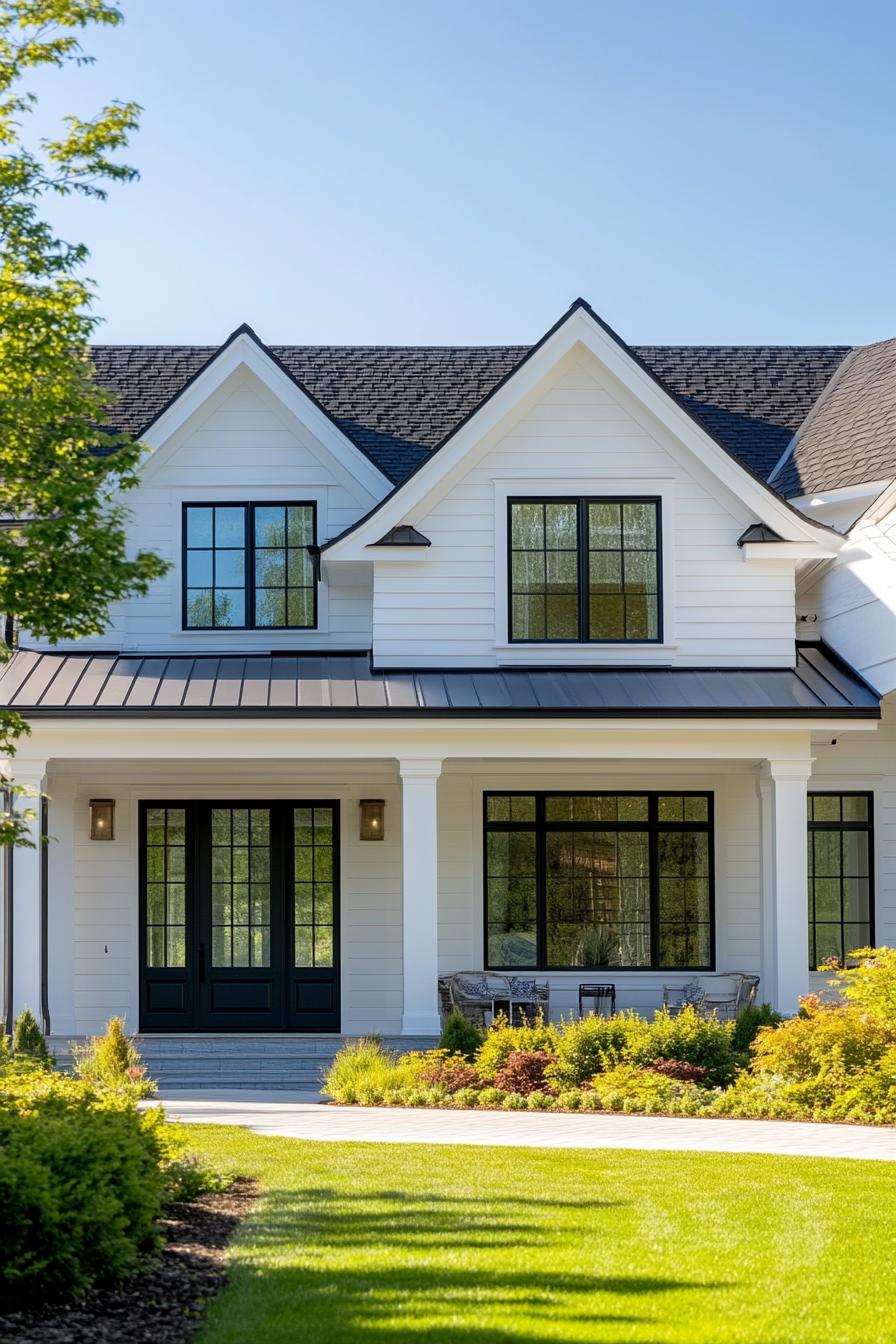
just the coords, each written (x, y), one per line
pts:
(396, 403)
(850, 435)
(331, 685)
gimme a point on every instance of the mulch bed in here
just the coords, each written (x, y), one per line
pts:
(162, 1302)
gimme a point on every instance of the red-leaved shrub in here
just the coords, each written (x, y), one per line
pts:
(524, 1071)
(679, 1069)
(452, 1073)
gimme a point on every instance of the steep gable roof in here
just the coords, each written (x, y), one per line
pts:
(397, 403)
(849, 437)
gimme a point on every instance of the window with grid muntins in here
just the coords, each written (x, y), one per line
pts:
(841, 875)
(582, 881)
(249, 566)
(584, 570)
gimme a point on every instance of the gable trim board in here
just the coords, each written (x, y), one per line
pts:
(243, 348)
(580, 325)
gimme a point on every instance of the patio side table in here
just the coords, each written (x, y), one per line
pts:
(601, 996)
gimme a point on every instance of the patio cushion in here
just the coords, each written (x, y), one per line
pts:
(522, 989)
(472, 987)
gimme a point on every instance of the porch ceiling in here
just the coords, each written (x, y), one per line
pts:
(820, 685)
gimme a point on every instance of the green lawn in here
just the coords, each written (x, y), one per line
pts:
(389, 1243)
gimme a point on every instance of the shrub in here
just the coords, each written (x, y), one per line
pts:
(688, 1037)
(460, 1037)
(501, 1040)
(825, 1040)
(491, 1097)
(80, 1186)
(870, 985)
(524, 1072)
(112, 1062)
(679, 1070)
(363, 1073)
(449, 1072)
(28, 1041)
(749, 1023)
(629, 1088)
(589, 1045)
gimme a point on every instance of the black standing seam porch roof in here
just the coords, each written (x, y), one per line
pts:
(328, 685)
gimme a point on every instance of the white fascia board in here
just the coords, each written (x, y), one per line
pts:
(581, 329)
(243, 351)
(787, 550)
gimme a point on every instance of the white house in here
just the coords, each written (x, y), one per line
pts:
(545, 609)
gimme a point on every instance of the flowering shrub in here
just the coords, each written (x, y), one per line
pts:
(524, 1072)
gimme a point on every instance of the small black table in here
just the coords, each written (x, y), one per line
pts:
(602, 995)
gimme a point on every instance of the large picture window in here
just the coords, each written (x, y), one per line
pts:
(841, 869)
(582, 881)
(249, 566)
(584, 570)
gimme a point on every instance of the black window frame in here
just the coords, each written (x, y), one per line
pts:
(653, 827)
(249, 585)
(582, 551)
(868, 827)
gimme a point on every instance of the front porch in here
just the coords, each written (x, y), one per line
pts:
(416, 904)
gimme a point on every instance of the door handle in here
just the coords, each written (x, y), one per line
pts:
(201, 961)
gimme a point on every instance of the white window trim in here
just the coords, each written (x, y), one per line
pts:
(242, 640)
(581, 653)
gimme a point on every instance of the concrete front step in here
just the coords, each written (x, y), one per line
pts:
(248, 1060)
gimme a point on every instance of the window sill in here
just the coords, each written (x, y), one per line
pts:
(590, 654)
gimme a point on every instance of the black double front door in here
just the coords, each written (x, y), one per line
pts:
(239, 916)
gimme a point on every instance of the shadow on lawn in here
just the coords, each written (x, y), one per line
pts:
(447, 1298)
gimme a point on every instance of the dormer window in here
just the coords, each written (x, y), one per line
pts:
(249, 567)
(584, 571)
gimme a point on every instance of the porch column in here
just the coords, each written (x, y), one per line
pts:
(785, 897)
(420, 911)
(27, 948)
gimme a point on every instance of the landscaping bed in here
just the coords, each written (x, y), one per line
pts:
(162, 1301)
(834, 1061)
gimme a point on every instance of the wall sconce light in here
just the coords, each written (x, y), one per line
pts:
(102, 818)
(373, 815)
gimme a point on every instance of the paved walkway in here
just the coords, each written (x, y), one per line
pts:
(300, 1115)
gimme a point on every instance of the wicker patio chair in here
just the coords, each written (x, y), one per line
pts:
(474, 994)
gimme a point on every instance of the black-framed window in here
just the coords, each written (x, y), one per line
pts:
(841, 874)
(584, 570)
(249, 566)
(577, 881)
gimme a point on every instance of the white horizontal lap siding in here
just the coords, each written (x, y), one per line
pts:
(241, 446)
(737, 869)
(447, 606)
(94, 914)
(867, 763)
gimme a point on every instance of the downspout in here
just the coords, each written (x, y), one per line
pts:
(8, 1000)
(44, 915)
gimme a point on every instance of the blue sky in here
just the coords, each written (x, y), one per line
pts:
(403, 171)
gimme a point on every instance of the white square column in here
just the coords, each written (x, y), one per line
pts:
(27, 943)
(420, 899)
(785, 883)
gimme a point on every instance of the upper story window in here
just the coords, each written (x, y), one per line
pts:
(584, 570)
(249, 567)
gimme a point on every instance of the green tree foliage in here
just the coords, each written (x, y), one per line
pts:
(28, 1041)
(63, 551)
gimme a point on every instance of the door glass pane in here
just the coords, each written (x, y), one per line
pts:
(241, 886)
(313, 878)
(165, 870)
